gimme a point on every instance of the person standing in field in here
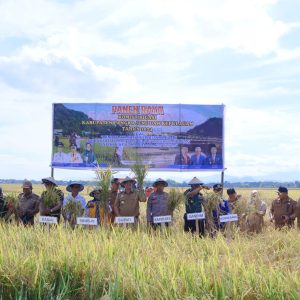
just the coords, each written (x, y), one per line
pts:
(52, 199)
(157, 204)
(3, 206)
(28, 204)
(114, 189)
(283, 209)
(94, 208)
(222, 209)
(74, 188)
(256, 212)
(127, 201)
(193, 204)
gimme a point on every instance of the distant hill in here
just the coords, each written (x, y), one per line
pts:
(70, 120)
(213, 127)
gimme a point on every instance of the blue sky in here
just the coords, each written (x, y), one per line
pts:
(243, 53)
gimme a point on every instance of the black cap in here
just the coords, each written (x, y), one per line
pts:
(231, 191)
(282, 189)
(217, 186)
(60, 144)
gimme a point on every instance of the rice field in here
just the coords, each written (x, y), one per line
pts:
(124, 263)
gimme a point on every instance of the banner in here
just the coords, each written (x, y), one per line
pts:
(163, 136)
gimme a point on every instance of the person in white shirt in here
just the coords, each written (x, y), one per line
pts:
(74, 188)
(60, 156)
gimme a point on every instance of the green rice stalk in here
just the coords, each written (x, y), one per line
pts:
(51, 197)
(103, 178)
(12, 200)
(140, 172)
(73, 209)
(211, 203)
(175, 199)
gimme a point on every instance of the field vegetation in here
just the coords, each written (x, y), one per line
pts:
(126, 263)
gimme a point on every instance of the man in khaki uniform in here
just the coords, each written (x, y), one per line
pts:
(127, 202)
(283, 209)
(28, 204)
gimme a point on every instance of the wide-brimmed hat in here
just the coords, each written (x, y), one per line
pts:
(50, 180)
(92, 193)
(158, 181)
(69, 186)
(195, 181)
(127, 179)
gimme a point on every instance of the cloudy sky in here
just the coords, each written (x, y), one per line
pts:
(243, 53)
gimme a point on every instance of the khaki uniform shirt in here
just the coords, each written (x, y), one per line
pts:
(127, 204)
(282, 208)
(29, 205)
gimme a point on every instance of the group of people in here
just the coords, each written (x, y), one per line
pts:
(198, 158)
(74, 156)
(124, 199)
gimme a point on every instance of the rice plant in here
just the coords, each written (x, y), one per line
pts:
(175, 199)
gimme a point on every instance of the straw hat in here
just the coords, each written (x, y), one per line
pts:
(69, 187)
(158, 181)
(195, 181)
(50, 180)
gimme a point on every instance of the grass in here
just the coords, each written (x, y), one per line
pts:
(120, 263)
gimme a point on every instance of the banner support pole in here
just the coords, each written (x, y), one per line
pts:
(222, 180)
(52, 172)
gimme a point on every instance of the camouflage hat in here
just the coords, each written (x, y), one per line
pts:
(92, 193)
(27, 184)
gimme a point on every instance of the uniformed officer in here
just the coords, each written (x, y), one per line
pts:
(193, 204)
(283, 209)
(28, 204)
(127, 201)
(157, 204)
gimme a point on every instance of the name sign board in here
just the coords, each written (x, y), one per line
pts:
(87, 221)
(49, 220)
(229, 218)
(196, 216)
(162, 219)
(124, 220)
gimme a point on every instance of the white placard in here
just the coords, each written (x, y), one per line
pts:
(196, 216)
(87, 221)
(124, 220)
(162, 219)
(47, 219)
(229, 218)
